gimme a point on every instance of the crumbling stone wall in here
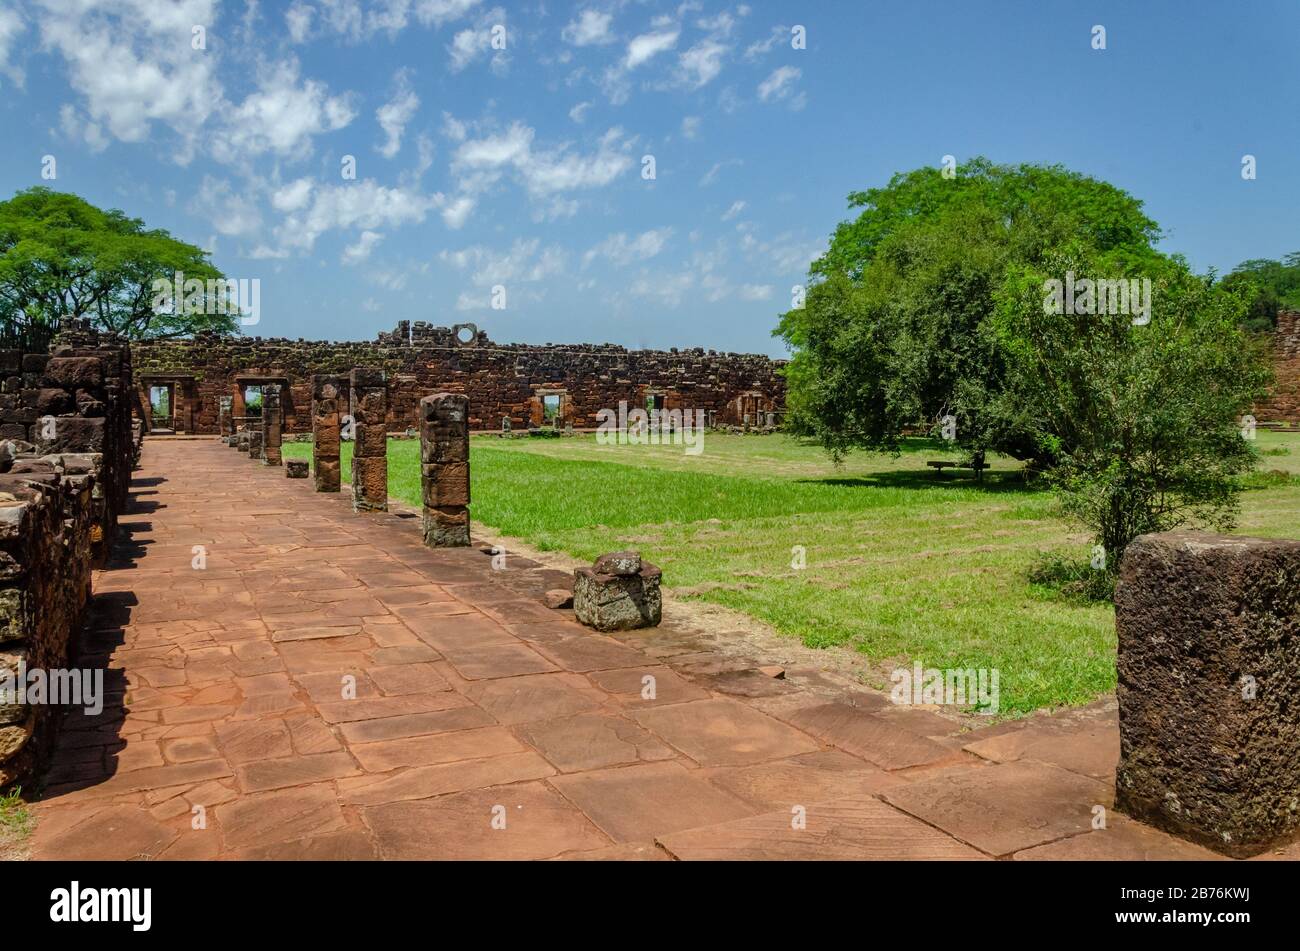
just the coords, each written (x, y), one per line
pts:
(1284, 403)
(46, 515)
(75, 399)
(67, 447)
(500, 380)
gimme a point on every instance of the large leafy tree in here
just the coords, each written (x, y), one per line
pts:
(894, 329)
(60, 256)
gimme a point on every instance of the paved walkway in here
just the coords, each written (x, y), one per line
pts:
(326, 687)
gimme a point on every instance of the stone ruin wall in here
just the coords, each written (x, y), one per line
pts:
(500, 380)
(1284, 404)
(67, 447)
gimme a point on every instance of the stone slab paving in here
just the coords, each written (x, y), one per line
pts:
(289, 680)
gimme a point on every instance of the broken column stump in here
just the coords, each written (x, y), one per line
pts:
(326, 392)
(370, 448)
(1209, 671)
(272, 425)
(444, 469)
(295, 469)
(225, 425)
(619, 592)
(255, 443)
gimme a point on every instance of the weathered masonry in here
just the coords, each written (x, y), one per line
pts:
(184, 382)
(1284, 403)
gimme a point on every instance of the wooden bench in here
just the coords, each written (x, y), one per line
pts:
(940, 464)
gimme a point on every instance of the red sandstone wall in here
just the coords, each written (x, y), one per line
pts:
(1284, 404)
(500, 379)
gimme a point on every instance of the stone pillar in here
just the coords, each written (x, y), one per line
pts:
(255, 442)
(326, 392)
(444, 469)
(223, 416)
(272, 424)
(370, 450)
(1209, 673)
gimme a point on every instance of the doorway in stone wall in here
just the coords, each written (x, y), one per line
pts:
(162, 407)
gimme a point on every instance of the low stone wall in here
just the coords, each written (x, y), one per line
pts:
(67, 447)
(501, 381)
(47, 511)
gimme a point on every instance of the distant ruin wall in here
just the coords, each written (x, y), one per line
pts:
(501, 380)
(1284, 404)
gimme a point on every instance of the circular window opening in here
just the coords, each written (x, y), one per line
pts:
(465, 333)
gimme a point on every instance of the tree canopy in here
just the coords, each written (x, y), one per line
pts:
(1028, 309)
(1269, 286)
(61, 256)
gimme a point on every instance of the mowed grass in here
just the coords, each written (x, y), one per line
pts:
(902, 565)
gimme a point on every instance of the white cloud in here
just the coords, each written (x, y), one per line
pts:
(439, 12)
(282, 116)
(762, 47)
(591, 28)
(648, 45)
(756, 291)
(701, 64)
(622, 251)
(579, 112)
(690, 126)
(366, 241)
(525, 262)
(297, 19)
(78, 128)
(11, 24)
(542, 172)
(394, 115)
(778, 85)
(127, 63)
(292, 197)
(712, 174)
(736, 208)
(471, 43)
(231, 212)
(364, 204)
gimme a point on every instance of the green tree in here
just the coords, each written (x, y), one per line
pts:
(1145, 421)
(1269, 286)
(60, 256)
(894, 331)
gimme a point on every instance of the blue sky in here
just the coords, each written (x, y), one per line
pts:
(522, 168)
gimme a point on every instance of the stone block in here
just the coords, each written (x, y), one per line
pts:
(69, 434)
(369, 483)
(74, 373)
(1209, 668)
(624, 564)
(296, 469)
(446, 527)
(446, 485)
(329, 475)
(618, 603)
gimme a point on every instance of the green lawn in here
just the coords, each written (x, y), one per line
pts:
(901, 565)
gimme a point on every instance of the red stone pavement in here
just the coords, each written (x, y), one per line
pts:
(482, 724)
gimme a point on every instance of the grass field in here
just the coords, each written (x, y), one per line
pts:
(901, 565)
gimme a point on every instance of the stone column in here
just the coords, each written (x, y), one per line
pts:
(325, 394)
(272, 424)
(223, 416)
(444, 469)
(370, 450)
(1209, 672)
